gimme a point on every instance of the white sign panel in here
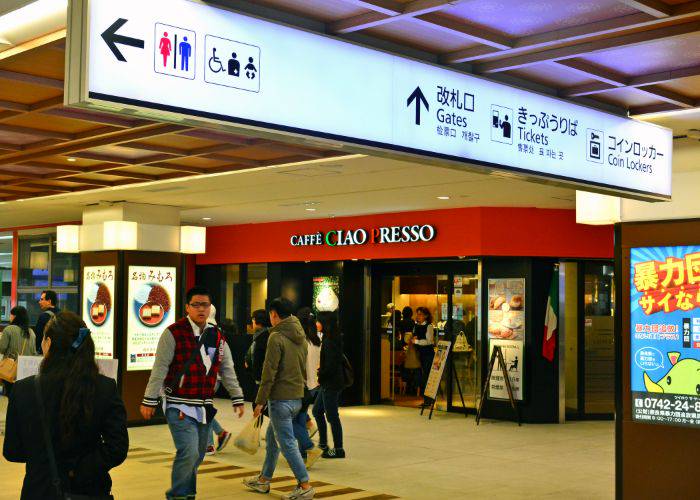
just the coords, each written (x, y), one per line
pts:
(98, 304)
(513, 356)
(246, 72)
(29, 365)
(437, 368)
(150, 309)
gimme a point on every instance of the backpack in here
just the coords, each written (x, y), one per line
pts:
(348, 373)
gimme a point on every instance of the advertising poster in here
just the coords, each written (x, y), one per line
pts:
(151, 303)
(326, 293)
(665, 335)
(98, 302)
(437, 369)
(507, 309)
(513, 356)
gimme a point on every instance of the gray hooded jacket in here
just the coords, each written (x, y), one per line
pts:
(284, 370)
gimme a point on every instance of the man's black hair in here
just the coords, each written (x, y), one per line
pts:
(261, 318)
(283, 307)
(197, 290)
(51, 296)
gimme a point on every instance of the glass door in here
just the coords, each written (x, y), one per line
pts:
(464, 333)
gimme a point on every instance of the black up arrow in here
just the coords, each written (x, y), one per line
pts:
(418, 96)
(112, 39)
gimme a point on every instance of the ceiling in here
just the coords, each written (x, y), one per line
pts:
(349, 185)
(641, 56)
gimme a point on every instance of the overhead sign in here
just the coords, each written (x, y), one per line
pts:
(665, 335)
(170, 59)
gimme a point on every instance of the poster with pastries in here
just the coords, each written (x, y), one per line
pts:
(150, 309)
(326, 294)
(506, 314)
(98, 302)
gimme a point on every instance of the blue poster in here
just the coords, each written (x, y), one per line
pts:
(665, 335)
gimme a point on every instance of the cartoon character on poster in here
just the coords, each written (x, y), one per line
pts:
(665, 335)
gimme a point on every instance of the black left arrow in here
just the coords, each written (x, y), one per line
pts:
(112, 39)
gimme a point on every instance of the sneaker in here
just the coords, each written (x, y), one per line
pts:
(299, 494)
(334, 453)
(255, 484)
(222, 440)
(210, 450)
(312, 455)
(312, 428)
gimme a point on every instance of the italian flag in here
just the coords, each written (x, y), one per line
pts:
(549, 339)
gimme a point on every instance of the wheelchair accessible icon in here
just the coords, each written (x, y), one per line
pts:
(232, 64)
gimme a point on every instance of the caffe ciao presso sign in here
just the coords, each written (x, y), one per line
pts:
(380, 235)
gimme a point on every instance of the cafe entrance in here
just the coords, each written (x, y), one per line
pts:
(449, 293)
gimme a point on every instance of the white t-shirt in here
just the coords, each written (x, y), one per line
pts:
(313, 361)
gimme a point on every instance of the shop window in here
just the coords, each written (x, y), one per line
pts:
(5, 276)
(42, 268)
(257, 284)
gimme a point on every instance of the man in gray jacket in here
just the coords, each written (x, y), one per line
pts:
(282, 389)
(190, 354)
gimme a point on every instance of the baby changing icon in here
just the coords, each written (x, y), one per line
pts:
(175, 50)
(232, 64)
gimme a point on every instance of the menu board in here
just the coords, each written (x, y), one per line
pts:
(98, 304)
(665, 335)
(506, 317)
(437, 368)
(326, 294)
(151, 305)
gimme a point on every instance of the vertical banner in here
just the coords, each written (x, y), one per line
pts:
(98, 302)
(150, 309)
(506, 318)
(665, 335)
(326, 294)
(437, 369)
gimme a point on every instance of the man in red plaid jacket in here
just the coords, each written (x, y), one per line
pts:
(184, 378)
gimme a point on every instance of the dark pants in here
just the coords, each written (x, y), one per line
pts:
(326, 407)
(426, 353)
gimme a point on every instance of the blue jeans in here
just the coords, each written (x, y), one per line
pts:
(190, 438)
(326, 407)
(280, 435)
(301, 433)
(215, 429)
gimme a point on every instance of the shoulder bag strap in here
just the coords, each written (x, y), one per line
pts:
(55, 480)
(185, 368)
(24, 344)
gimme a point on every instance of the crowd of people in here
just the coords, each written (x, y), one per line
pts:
(68, 423)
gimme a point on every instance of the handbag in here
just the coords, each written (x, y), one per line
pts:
(348, 373)
(8, 366)
(461, 344)
(55, 479)
(248, 440)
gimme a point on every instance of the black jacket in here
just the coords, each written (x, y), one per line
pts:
(330, 373)
(102, 444)
(44, 318)
(260, 339)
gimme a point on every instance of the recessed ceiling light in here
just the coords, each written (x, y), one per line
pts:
(206, 218)
(443, 197)
(310, 209)
(72, 159)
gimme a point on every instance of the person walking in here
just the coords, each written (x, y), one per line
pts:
(68, 424)
(222, 435)
(331, 381)
(17, 339)
(191, 353)
(282, 390)
(256, 353)
(48, 301)
(302, 430)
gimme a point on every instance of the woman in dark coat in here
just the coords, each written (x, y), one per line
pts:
(83, 410)
(330, 379)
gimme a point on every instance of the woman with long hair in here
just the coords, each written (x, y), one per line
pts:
(303, 425)
(424, 338)
(17, 339)
(330, 378)
(81, 410)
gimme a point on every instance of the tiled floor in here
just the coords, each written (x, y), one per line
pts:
(393, 452)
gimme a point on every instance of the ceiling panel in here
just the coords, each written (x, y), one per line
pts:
(552, 75)
(421, 36)
(687, 86)
(321, 10)
(628, 98)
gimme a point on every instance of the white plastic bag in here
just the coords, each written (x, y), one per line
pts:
(248, 439)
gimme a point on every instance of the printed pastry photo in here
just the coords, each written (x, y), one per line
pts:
(497, 302)
(516, 302)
